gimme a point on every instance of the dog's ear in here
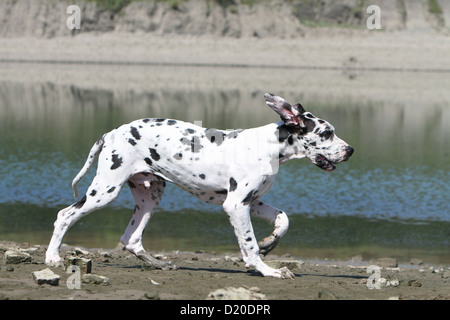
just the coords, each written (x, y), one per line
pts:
(289, 114)
(299, 108)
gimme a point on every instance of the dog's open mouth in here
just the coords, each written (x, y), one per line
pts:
(324, 164)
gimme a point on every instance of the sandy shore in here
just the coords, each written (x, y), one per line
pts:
(374, 65)
(320, 48)
(200, 273)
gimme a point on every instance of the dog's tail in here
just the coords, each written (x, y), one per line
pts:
(95, 150)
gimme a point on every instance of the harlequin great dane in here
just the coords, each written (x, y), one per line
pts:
(233, 168)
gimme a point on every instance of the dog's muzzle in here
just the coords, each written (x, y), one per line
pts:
(348, 153)
(324, 164)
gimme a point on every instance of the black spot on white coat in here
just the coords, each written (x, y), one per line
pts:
(111, 189)
(154, 154)
(80, 203)
(117, 161)
(135, 133)
(233, 184)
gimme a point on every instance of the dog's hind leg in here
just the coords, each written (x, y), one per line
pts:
(274, 216)
(147, 192)
(99, 194)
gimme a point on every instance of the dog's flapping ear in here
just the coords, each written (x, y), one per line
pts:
(299, 108)
(291, 115)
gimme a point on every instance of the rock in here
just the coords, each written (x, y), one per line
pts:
(46, 276)
(16, 257)
(79, 251)
(382, 282)
(84, 264)
(394, 283)
(8, 268)
(232, 259)
(414, 283)
(232, 293)
(95, 279)
(416, 262)
(326, 295)
(290, 264)
(106, 254)
(445, 275)
(386, 262)
(151, 296)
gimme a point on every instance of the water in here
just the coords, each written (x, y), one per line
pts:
(391, 198)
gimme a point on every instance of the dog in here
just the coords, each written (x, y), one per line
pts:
(232, 168)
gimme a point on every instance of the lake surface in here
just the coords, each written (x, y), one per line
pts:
(390, 199)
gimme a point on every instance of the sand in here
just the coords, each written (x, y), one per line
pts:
(200, 273)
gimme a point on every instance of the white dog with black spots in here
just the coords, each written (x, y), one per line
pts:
(232, 168)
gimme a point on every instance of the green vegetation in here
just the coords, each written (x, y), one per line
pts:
(113, 5)
(434, 7)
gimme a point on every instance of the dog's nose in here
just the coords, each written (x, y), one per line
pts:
(349, 150)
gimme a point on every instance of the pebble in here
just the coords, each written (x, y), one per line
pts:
(385, 262)
(232, 259)
(8, 268)
(149, 295)
(95, 279)
(415, 261)
(79, 251)
(326, 295)
(232, 293)
(414, 283)
(46, 276)
(394, 283)
(290, 264)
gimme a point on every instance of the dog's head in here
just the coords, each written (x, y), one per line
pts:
(307, 134)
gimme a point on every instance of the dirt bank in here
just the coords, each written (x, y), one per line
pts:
(200, 273)
(309, 35)
(236, 19)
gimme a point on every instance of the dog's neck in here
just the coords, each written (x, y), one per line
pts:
(289, 148)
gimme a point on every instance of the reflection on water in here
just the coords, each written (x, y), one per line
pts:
(399, 172)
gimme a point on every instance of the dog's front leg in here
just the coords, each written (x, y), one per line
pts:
(239, 215)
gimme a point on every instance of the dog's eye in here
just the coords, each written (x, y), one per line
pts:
(327, 134)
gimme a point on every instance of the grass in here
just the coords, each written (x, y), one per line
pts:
(113, 5)
(434, 7)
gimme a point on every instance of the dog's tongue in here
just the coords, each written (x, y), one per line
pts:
(324, 164)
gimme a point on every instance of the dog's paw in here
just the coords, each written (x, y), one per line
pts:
(272, 100)
(268, 244)
(54, 262)
(152, 263)
(283, 273)
(168, 266)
